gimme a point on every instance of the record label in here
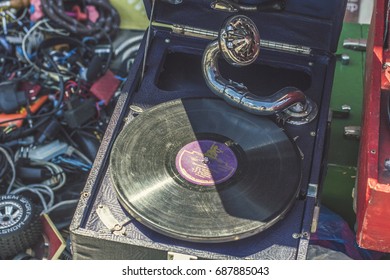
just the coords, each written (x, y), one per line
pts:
(206, 163)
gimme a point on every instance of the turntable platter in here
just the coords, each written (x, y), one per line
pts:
(203, 171)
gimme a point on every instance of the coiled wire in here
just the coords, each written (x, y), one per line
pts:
(107, 23)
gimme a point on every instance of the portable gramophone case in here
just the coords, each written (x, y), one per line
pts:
(217, 146)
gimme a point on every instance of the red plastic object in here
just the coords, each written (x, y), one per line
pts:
(373, 183)
(36, 12)
(57, 243)
(80, 16)
(104, 88)
(93, 13)
(22, 114)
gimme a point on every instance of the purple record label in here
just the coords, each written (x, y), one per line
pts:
(206, 163)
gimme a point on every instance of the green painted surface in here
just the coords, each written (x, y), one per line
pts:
(347, 89)
(132, 13)
(343, 153)
(337, 193)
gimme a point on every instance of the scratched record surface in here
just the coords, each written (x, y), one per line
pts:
(203, 171)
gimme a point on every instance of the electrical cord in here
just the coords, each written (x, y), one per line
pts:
(3, 166)
(108, 21)
(50, 29)
(59, 176)
(45, 188)
(20, 78)
(22, 132)
(19, 22)
(57, 107)
(82, 156)
(12, 165)
(30, 62)
(60, 204)
(38, 40)
(109, 57)
(136, 40)
(39, 190)
(57, 74)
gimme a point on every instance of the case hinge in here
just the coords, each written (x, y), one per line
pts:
(212, 35)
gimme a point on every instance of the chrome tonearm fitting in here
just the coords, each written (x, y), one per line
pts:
(239, 44)
(233, 6)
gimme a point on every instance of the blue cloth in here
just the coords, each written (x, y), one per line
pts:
(333, 232)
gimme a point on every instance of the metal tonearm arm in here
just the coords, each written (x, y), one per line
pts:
(239, 44)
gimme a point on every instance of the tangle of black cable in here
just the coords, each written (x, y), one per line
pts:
(108, 21)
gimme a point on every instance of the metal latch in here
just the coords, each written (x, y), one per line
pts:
(316, 216)
(352, 132)
(342, 113)
(312, 191)
(110, 221)
(355, 44)
(183, 257)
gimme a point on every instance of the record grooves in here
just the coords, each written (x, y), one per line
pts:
(200, 170)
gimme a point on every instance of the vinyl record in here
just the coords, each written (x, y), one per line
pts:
(203, 171)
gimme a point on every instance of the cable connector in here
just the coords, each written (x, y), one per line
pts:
(27, 141)
(11, 99)
(49, 151)
(50, 131)
(79, 112)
